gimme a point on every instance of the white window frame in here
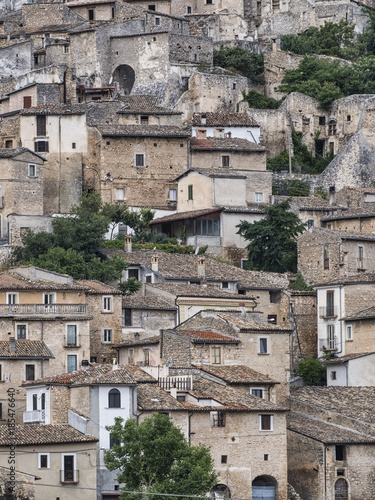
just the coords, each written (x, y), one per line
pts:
(349, 332)
(105, 334)
(67, 366)
(29, 169)
(225, 287)
(106, 299)
(51, 295)
(11, 294)
(75, 467)
(48, 461)
(76, 325)
(258, 389)
(172, 195)
(259, 197)
(27, 363)
(260, 423)
(135, 160)
(16, 330)
(213, 356)
(120, 194)
(268, 350)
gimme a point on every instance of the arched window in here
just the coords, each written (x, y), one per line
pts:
(341, 489)
(114, 399)
(220, 492)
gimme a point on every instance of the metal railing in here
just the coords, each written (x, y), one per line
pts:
(179, 383)
(69, 476)
(328, 344)
(41, 309)
(34, 416)
(328, 312)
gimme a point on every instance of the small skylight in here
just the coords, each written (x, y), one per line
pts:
(155, 399)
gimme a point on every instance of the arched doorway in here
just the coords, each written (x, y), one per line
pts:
(341, 489)
(264, 488)
(220, 492)
(124, 76)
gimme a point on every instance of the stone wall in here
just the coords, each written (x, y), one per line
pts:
(59, 404)
(305, 316)
(44, 14)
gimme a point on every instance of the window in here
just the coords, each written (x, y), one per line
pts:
(330, 298)
(43, 401)
(209, 2)
(255, 391)
(263, 345)
(157, 21)
(340, 452)
(12, 298)
(349, 332)
(91, 14)
(146, 353)
(74, 145)
(144, 120)
(265, 457)
(333, 375)
(43, 460)
(133, 273)
(1, 411)
(224, 459)
(332, 127)
(107, 335)
(29, 372)
(71, 363)
(41, 125)
(275, 4)
(27, 101)
(266, 422)
(107, 304)
(139, 160)
(35, 402)
(348, 118)
(71, 335)
(207, 227)
(21, 332)
(48, 298)
(127, 316)
(181, 398)
(120, 194)
(218, 418)
(234, 86)
(173, 195)
(113, 441)
(224, 284)
(41, 146)
(331, 336)
(258, 197)
(325, 258)
(188, 9)
(32, 170)
(215, 355)
(244, 263)
(152, 7)
(69, 474)
(331, 146)
(66, 49)
(114, 399)
(310, 223)
(322, 120)
(360, 264)
(9, 144)
(190, 191)
(225, 161)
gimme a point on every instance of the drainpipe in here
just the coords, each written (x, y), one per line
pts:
(189, 427)
(341, 344)
(59, 199)
(325, 472)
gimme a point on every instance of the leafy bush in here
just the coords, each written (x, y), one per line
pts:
(312, 371)
(259, 101)
(298, 188)
(300, 284)
(242, 61)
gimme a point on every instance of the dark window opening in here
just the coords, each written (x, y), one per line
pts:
(340, 452)
(272, 318)
(265, 422)
(322, 120)
(139, 160)
(144, 120)
(41, 146)
(133, 273)
(35, 402)
(43, 461)
(127, 316)
(113, 441)
(8, 144)
(114, 399)
(225, 161)
(224, 459)
(152, 7)
(91, 14)
(275, 297)
(30, 372)
(181, 398)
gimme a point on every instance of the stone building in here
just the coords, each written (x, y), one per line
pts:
(331, 442)
(359, 220)
(311, 210)
(352, 370)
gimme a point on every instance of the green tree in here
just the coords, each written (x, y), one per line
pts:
(272, 239)
(312, 371)
(242, 61)
(258, 101)
(300, 284)
(298, 188)
(154, 457)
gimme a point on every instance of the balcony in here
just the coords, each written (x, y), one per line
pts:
(328, 312)
(328, 344)
(73, 341)
(20, 310)
(35, 416)
(182, 383)
(69, 476)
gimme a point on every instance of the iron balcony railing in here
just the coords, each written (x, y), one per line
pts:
(69, 476)
(330, 344)
(179, 383)
(328, 312)
(42, 309)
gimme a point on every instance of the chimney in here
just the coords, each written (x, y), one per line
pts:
(332, 195)
(201, 267)
(12, 345)
(243, 309)
(128, 244)
(155, 263)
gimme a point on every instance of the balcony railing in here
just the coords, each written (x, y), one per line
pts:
(179, 383)
(73, 341)
(328, 344)
(328, 312)
(69, 476)
(42, 309)
(34, 416)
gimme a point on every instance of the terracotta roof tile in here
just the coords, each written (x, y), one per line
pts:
(214, 144)
(142, 131)
(236, 374)
(137, 301)
(349, 280)
(153, 398)
(25, 349)
(34, 434)
(209, 291)
(366, 313)
(143, 104)
(204, 336)
(221, 118)
(142, 341)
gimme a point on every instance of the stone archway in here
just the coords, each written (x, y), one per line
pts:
(341, 489)
(124, 76)
(220, 492)
(264, 488)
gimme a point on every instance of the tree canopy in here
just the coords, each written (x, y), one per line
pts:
(73, 246)
(312, 371)
(242, 61)
(154, 457)
(273, 245)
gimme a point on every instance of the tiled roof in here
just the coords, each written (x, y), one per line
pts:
(354, 402)
(143, 104)
(25, 349)
(236, 374)
(56, 109)
(142, 131)
(351, 213)
(221, 119)
(307, 202)
(11, 153)
(215, 144)
(137, 301)
(366, 313)
(154, 398)
(34, 434)
(246, 324)
(99, 374)
(210, 291)
(345, 235)
(230, 397)
(192, 214)
(349, 280)
(96, 287)
(325, 432)
(347, 357)
(224, 173)
(141, 341)
(204, 336)
(185, 267)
